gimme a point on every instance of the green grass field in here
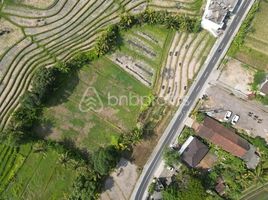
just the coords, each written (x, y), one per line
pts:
(70, 117)
(10, 162)
(255, 52)
(40, 176)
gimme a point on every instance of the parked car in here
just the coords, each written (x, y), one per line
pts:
(227, 115)
(235, 119)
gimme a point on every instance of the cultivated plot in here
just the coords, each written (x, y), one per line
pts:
(255, 52)
(142, 51)
(36, 173)
(96, 122)
(50, 35)
(186, 55)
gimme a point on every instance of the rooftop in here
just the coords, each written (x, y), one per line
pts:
(218, 9)
(194, 152)
(224, 137)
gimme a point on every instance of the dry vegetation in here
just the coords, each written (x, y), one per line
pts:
(186, 55)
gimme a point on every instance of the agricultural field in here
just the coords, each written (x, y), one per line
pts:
(189, 7)
(72, 116)
(51, 35)
(143, 51)
(186, 55)
(10, 163)
(258, 194)
(42, 4)
(9, 34)
(94, 105)
(37, 174)
(255, 51)
(39, 4)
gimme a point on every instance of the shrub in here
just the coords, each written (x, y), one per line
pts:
(108, 41)
(44, 82)
(104, 159)
(86, 187)
(200, 117)
(171, 157)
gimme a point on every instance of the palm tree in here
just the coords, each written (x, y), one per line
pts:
(64, 159)
(40, 147)
(260, 174)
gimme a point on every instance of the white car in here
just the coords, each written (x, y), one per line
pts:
(227, 116)
(235, 119)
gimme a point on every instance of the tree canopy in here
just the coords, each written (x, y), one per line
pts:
(104, 159)
(193, 189)
(171, 157)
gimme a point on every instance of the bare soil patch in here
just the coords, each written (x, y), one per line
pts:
(236, 76)
(121, 182)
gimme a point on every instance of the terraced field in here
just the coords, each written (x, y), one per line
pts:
(187, 54)
(38, 174)
(10, 163)
(55, 34)
(42, 4)
(255, 50)
(190, 7)
(90, 126)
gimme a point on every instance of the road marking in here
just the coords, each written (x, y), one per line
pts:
(222, 45)
(214, 59)
(196, 89)
(180, 116)
(206, 74)
(229, 32)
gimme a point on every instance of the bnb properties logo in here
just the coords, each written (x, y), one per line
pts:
(91, 101)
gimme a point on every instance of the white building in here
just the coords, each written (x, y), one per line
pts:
(215, 14)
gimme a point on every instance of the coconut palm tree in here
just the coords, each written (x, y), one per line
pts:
(64, 159)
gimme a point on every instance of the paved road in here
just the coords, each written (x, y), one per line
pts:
(222, 47)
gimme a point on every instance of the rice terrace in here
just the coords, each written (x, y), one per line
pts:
(89, 88)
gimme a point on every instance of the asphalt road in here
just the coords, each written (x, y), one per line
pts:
(192, 97)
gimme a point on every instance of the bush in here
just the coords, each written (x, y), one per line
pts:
(200, 117)
(127, 21)
(108, 41)
(44, 83)
(86, 187)
(171, 157)
(187, 189)
(104, 159)
(186, 132)
(259, 77)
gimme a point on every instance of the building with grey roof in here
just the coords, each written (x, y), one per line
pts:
(215, 14)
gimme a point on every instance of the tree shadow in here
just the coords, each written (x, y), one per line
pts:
(148, 131)
(108, 184)
(66, 83)
(43, 128)
(70, 144)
